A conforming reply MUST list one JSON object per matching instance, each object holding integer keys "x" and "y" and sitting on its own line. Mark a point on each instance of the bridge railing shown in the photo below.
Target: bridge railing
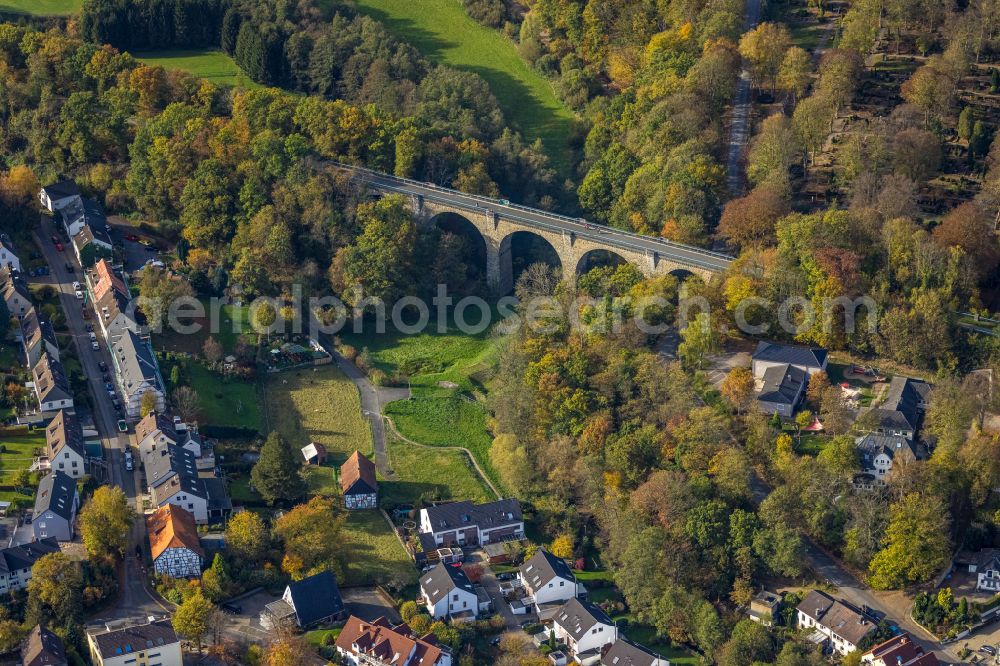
{"x": 602, "y": 231}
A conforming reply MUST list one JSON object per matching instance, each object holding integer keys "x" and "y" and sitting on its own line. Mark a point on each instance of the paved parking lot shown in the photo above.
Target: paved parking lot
{"x": 368, "y": 604}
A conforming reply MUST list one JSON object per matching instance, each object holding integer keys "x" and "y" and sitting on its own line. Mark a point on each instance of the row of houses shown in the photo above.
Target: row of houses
{"x": 152, "y": 641}
{"x": 81, "y": 218}
{"x": 50, "y": 384}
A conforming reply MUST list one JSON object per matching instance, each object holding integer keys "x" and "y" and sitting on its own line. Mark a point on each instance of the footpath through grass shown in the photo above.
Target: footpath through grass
{"x": 41, "y": 7}
{"x": 444, "y": 33}
{"x": 445, "y": 372}
{"x": 216, "y": 66}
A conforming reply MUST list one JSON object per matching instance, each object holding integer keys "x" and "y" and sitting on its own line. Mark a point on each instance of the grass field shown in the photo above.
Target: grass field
{"x": 225, "y": 403}
{"x": 374, "y": 554}
{"x": 215, "y": 66}
{"x": 19, "y": 446}
{"x": 225, "y": 331}
{"x": 319, "y": 405}
{"x": 41, "y": 7}
{"x": 437, "y": 415}
{"x": 444, "y": 33}
{"x": 430, "y": 474}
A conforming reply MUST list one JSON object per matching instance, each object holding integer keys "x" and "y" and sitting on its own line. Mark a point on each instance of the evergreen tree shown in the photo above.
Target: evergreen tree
{"x": 965, "y": 123}
{"x": 994, "y": 79}
{"x": 979, "y": 141}
{"x": 276, "y": 475}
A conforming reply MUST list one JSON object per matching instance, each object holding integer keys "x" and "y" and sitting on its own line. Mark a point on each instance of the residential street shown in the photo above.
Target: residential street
{"x": 135, "y": 600}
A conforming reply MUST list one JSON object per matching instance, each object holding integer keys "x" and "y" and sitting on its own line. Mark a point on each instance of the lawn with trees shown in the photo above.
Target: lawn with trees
{"x": 214, "y": 66}
{"x": 18, "y": 448}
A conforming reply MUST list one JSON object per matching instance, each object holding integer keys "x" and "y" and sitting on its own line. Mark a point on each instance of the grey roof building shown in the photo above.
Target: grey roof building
{"x": 16, "y": 563}
{"x": 780, "y": 389}
{"x": 902, "y": 410}
{"x": 133, "y": 643}
{"x": 136, "y": 371}
{"x": 306, "y": 602}
{"x": 38, "y": 336}
{"x": 42, "y": 648}
{"x": 626, "y": 653}
{"x": 809, "y": 359}
{"x": 56, "y": 505}
{"x": 64, "y": 440}
{"x": 465, "y": 523}
{"x": 51, "y": 385}
{"x": 14, "y": 292}
{"x": 438, "y": 583}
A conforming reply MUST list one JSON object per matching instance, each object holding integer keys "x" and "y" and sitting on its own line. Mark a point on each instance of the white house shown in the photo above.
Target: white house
{"x": 468, "y": 524}
{"x": 64, "y": 441}
{"x": 15, "y": 293}
{"x": 547, "y": 579}
{"x": 626, "y": 653}
{"x": 51, "y": 386}
{"x": 899, "y": 651}
{"x": 986, "y": 565}
{"x": 16, "y": 563}
{"x": 172, "y": 477}
{"x": 56, "y": 505}
{"x": 137, "y": 373}
{"x": 59, "y": 195}
{"x": 8, "y": 258}
{"x": 147, "y": 643}
{"x": 173, "y": 542}
{"x": 585, "y": 629}
{"x": 843, "y": 626}
{"x": 156, "y": 431}
{"x": 38, "y": 337}
{"x": 447, "y": 593}
{"x": 878, "y": 455}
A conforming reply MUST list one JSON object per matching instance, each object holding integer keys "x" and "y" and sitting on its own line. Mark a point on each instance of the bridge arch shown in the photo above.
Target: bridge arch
{"x": 522, "y": 248}
{"x": 596, "y": 258}
{"x": 467, "y": 241}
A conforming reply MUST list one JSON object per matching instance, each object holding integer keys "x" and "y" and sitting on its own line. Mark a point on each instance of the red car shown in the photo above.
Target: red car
{"x": 59, "y": 246}
{"x": 132, "y": 237}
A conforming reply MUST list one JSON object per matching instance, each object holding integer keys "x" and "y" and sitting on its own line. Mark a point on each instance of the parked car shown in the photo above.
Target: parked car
{"x": 59, "y": 246}
{"x": 109, "y": 386}
{"x": 122, "y": 425}
{"x": 93, "y": 336}
{"x": 79, "y": 294}
{"x": 988, "y": 649}
{"x": 55, "y": 239}
{"x": 69, "y": 268}
{"x": 76, "y": 286}
{"x": 85, "y": 311}
{"x": 95, "y": 345}
{"x": 90, "y": 328}
{"x": 103, "y": 366}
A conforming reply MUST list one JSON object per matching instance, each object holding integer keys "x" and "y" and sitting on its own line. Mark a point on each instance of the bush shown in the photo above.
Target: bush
{"x": 490, "y": 13}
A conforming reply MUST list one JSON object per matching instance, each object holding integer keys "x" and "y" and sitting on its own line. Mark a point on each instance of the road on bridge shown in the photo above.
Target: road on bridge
{"x": 534, "y": 218}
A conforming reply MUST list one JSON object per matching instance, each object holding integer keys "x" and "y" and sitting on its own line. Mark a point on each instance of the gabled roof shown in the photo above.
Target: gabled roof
{"x": 177, "y": 465}
{"x": 42, "y": 648}
{"x": 793, "y": 354}
{"x": 62, "y": 189}
{"x": 782, "y": 384}
{"x": 391, "y": 644}
{"x": 56, "y": 493}
{"x": 136, "y": 638}
{"x": 64, "y": 431}
{"x": 578, "y": 617}
{"x": 107, "y": 280}
{"x": 172, "y": 527}
{"x": 899, "y": 651}
{"x": 136, "y": 362}
{"x": 357, "y": 475}
{"x": 626, "y": 653}
{"x": 50, "y": 379}
{"x": 901, "y": 408}
{"x": 315, "y": 598}
{"x": 544, "y": 567}
{"x": 896, "y": 448}
{"x": 840, "y": 619}
{"x": 457, "y": 515}
{"x": 11, "y": 284}
{"x": 156, "y": 422}
{"x": 438, "y": 583}
{"x": 35, "y": 327}
{"x": 21, "y": 557}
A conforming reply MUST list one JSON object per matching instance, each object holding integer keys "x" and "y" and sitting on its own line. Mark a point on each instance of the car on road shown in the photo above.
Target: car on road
{"x": 79, "y": 294}
{"x": 122, "y": 425}
{"x": 103, "y": 366}
{"x": 504, "y": 202}
{"x": 69, "y": 268}
{"x": 89, "y": 327}
{"x": 109, "y": 386}
{"x": 988, "y": 649}
{"x": 128, "y": 460}
{"x": 76, "y": 286}
{"x": 93, "y": 336}
{"x": 55, "y": 239}
{"x": 59, "y": 246}
{"x": 111, "y": 394}
{"x": 505, "y": 576}
{"x": 95, "y": 345}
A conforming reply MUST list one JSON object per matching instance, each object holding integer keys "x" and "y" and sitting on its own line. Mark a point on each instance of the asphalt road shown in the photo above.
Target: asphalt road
{"x": 135, "y": 599}
{"x": 530, "y": 217}
{"x": 739, "y": 129}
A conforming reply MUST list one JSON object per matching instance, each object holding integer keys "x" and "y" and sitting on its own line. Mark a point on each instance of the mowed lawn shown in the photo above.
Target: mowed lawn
{"x": 444, "y": 33}
{"x": 437, "y": 415}
{"x": 225, "y": 402}
{"x": 431, "y": 474}
{"x": 19, "y": 446}
{"x": 318, "y": 405}
{"x": 41, "y": 7}
{"x": 374, "y": 554}
{"x": 216, "y": 66}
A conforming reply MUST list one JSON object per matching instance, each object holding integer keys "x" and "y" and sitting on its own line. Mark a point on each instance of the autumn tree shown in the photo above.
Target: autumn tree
{"x": 147, "y": 403}
{"x": 187, "y": 403}
{"x": 193, "y": 617}
{"x": 19, "y": 186}
{"x": 795, "y": 72}
{"x": 764, "y": 48}
{"x": 738, "y": 389}
{"x": 159, "y": 289}
{"x": 311, "y": 534}
{"x": 811, "y": 121}
{"x": 288, "y": 651}
{"x": 55, "y": 591}
{"x": 772, "y": 152}
{"x": 246, "y": 536}
{"x": 105, "y": 522}
{"x": 276, "y": 476}
{"x": 562, "y": 546}
{"x": 970, "y": 228}
{"x": 749, "y": 221}
{"x": 699, "y": 340}
{"x": 212, "y": 350}
{"x": 916, "y": 544}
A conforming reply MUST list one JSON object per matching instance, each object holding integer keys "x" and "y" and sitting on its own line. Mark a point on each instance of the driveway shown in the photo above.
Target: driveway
{"x": 492, "y": 586}
{"x": 368, "y": 604}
